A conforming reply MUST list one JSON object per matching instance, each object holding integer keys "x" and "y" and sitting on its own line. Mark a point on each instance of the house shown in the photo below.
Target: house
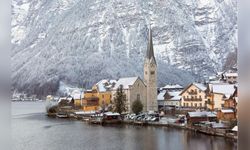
{"x": 197, "y": 117}
{"x": 103, "y": 91}
{"x": 172, "y": 99}
{"x": 226, "y": 114}
{"x": 194, "y": 96}
{"x": 134, "y": 88}
{"x": 231, "y": 77}
{"x": 90, "y": 101}
{"x": 161, "y": 99}
{"x": 217, "y": 93}
{"x": 77, "y": 100}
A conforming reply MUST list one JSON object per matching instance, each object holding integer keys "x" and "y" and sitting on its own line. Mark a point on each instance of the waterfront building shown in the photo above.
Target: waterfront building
{"x": 226, "y": 114}
{"x": 194, "y": 96}
{"x": 90, "y": 101}
{"x": 103, "y": 91}
{"x": 197, "y": 117}
{"x": 134, "y": 88}
{"x": 161, "y": 100}
{"x": 150, "y": 76}
{"x": 172, "y": 99}
{"x": 77, "y": 100}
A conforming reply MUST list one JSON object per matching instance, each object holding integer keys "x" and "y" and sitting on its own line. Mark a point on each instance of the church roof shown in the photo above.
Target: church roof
{"x": 150, "y": 49}
{"x": 125, "y": 82}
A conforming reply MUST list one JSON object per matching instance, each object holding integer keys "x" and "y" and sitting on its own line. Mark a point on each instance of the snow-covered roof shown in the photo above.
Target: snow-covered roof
{"x": 231, "y": 74}
{"x": 218, "y": 125}
{"x": 227, "y": 110}
{"x": 101, "y": 85}
{"x": 77, "y": 96}
{"x": 200, "y": 86}
{"x": 176, "y": 95}
{"x": 235, "y": 128}
{"x": 125, "y": 82}
{"x": 202, "y": 114}
{"x": 69, "y": 99}
{"x": 160, "y": 96}
{"x": 84, "y": 112}
{"x": 226, "y": 89}
{"x": 173, "y": 86}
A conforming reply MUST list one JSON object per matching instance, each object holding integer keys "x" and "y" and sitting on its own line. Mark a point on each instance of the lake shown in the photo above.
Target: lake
{"x": 33, "y": 130}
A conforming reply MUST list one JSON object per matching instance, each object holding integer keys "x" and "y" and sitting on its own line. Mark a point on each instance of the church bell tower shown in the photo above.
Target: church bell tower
{"x": 150, "y": 75}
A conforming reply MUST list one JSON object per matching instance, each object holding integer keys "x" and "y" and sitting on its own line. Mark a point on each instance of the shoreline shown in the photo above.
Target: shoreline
{"x": 207, "y": 131}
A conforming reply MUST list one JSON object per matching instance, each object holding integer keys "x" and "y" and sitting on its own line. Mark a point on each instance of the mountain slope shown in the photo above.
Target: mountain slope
{"x": 81, "y": 41}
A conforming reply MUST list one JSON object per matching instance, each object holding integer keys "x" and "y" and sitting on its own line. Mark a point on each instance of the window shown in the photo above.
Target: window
{"x": 199, "y": 91}
{"x": 195, "y": 105}
{"x": 138, "y": 96}
{"x": 191, "y": 104}
{"x": 152, "y": 72}
{"x": 187, "y": 104}
{"x": 146, "y": 72}
{"x": 200, "y": 104}
{"x": 200, "y": 96}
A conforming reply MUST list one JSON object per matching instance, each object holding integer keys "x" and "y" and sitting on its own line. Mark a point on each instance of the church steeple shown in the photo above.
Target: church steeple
{"x": 150, "y": 75}
{"x": 150, "y": 49}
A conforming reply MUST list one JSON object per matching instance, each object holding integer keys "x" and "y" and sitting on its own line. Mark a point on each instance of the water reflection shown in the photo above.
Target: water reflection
{"x": 36, "y": 131}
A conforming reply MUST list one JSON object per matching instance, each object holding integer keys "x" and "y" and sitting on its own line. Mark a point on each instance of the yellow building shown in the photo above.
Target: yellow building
{"x": 90, "y": 101}
{"x": 194, "y": 96}
{"x": 103, "y": 91}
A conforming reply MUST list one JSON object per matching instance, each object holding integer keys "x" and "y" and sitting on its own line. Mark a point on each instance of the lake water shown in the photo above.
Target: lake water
{"x": 33, "y": 130}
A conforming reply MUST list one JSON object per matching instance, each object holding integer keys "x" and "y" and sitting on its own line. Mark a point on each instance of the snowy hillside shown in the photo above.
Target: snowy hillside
{"x": 81, "y": 41}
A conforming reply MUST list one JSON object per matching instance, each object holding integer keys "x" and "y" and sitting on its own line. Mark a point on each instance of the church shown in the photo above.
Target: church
{"x": 143, "y": 89}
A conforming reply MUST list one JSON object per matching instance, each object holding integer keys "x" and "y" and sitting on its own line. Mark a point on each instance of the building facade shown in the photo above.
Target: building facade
{"x": 194, "y": 96}
{"x": 134, "y": 88}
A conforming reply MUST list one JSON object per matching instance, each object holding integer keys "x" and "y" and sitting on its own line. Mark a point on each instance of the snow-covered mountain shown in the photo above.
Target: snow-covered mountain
{"x": 81, "y": 41}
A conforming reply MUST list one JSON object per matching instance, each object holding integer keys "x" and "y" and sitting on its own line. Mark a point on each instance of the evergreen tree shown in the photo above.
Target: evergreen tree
{"x": 137, "y": 106}
{"x": 120, "y": 100}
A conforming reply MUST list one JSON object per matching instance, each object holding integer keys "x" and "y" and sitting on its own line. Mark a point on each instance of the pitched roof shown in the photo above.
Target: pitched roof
{"x": 227, "y": 111}
{"x": 198, "y": 85}
{"x": 202, "y": 114}
{"x": 175, "y": 95}
{"x": 226, "y": 89}
{"x": 173, "y": 86}
{"x": 235, "y": 128}
{"x": 101, "y": 85}
{"x": 231, "y": 74}
{"x": 125, "y": 82}
{"x": 150, "y": 49}
{"x": 160, "y": 96}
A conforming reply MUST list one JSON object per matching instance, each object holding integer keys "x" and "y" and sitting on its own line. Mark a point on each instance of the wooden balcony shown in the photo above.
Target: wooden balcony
{"x": 192, "y": 92}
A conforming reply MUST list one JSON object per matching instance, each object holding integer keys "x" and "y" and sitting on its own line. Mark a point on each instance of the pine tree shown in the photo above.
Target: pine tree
{"x": 137, "y": 106}
{"x": 120, "y": 100}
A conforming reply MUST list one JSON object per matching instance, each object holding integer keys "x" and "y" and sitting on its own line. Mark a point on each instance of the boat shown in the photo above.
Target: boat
{"x": 62, "y": 115}
{"x": 111, "y": 118}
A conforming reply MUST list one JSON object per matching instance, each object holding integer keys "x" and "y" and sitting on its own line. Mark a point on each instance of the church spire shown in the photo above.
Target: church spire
{"x": 150, "y": 49}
